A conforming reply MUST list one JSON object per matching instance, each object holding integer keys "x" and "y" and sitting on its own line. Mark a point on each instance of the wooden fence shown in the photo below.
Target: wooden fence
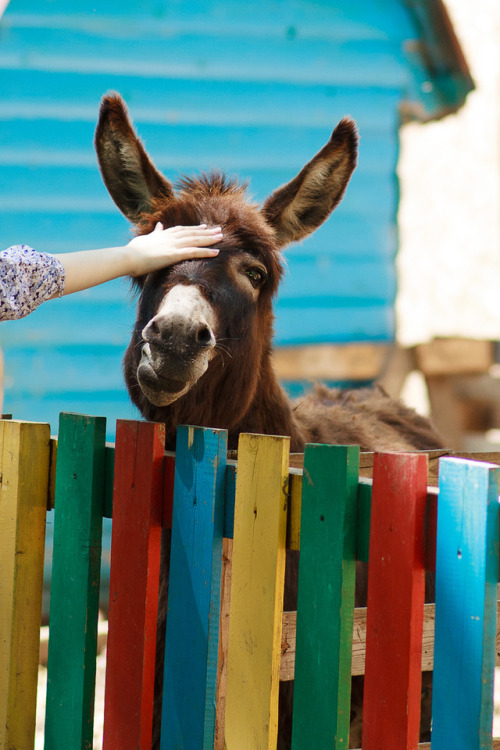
{"x": 228, "y": 643}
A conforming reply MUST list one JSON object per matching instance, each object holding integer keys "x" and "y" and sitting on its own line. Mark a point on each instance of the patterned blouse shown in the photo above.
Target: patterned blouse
{"x": 27, "y": 279}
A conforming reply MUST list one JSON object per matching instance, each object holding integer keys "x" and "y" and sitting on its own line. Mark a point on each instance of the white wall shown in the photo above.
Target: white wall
{"x": 449, "y": 261}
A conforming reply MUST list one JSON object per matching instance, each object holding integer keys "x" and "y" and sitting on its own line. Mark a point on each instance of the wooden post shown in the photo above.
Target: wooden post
{"x": 325, "y": 609}
{"x": 466, "y": 586}
{"x": 24, "y": 479}
{"x": 74, "y": 599}
{"x": 395, "y": 607}
{"x": 192, "y": 634}
{"x": 134, "y": 581}
{"x": 257, "y": 593}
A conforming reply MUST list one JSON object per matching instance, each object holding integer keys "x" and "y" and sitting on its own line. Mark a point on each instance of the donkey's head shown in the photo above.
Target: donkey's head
{"x": 207, "y": 323}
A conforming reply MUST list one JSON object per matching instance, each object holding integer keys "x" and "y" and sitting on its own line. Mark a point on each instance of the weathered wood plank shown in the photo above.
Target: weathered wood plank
{"x": 466, "y": 578}
{"x": 192, "y": 634}
{"x": 454, "y": 356}
{"x": 395, "y": 605}
{"x": 24, "y": 478}
{"x": 325, "y": 597}
{"x": 74, "y": 600}
{"x": 227, "y": 558}
{"x": 287, "y": 668}
{"x": 134, "y": 582}
{"x": 330, "y": 362}
{"x": 257, "y": 593}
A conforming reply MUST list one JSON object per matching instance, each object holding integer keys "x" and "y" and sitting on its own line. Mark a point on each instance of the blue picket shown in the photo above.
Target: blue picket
{"x": 191, "y": 645}
{"x": 466, "y": 578}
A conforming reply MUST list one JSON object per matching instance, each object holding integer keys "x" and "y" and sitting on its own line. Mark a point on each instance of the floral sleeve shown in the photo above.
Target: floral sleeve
{"x": 27, "y": 279}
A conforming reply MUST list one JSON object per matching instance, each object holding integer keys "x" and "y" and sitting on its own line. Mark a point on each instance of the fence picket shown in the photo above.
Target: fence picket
{"x": 24, "y": 480}
{"x": 74, "y": 602}
{"x": 321, "y": 708}
{"x": 257, "y": 593}
{"x": 395, "y": 607}
{"x": 466, "y": 578}
{"x": 192, "y": 635}
{"x": 134, "y": 580}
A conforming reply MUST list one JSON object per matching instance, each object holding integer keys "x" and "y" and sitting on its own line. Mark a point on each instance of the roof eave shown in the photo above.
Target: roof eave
{"x": 450, "y": 79}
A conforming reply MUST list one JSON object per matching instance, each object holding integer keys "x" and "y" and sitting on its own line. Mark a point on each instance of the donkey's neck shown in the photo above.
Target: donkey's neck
{"x": 215, "y": 403}
{"x": 270, "y": 412}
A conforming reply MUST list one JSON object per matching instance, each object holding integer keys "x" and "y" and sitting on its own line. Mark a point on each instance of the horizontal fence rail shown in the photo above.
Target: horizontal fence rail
{"x": 228, "y": 643}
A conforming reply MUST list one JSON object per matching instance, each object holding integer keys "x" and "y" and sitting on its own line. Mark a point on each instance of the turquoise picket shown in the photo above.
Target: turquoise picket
{"x": 191, "y": 643}
{"x": 466, "y": 586}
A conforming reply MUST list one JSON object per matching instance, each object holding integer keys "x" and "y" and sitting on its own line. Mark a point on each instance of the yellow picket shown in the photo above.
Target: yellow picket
{"x": 24, "y": 477}
{"x": 254, "y": 648}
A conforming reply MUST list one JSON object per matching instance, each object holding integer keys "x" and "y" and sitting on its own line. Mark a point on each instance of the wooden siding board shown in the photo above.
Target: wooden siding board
{"x": 284, "y": 146}
{"x": 114, "y": 404}
{"x": 56, "y": 323}
{"x": 327, "y": 279}
{"x": 72, "y": 371}
{"x": 180, "y": 100}
{"x": 341, "y": 21}
{"x": 201, "y": 55}
{"x": 370, "y": 323}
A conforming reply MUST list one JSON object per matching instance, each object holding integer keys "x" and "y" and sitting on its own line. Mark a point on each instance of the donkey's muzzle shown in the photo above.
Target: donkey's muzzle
{"x": 179, "y": 342}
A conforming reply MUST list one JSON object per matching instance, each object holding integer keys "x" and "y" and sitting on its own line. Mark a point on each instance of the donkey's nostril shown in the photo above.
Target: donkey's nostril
{"x": 152, "y": 331}
{"x": 203, "y": 336}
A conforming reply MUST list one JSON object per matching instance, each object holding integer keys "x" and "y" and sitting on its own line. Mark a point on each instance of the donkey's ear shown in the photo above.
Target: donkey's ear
{"x": 298, "y": 208}
{"x": 132, "y": 180}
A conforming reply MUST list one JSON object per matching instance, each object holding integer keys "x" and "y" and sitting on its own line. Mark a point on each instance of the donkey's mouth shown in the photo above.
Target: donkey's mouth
{"x": 161, "y": 384}
{"x": 159, "y": 390}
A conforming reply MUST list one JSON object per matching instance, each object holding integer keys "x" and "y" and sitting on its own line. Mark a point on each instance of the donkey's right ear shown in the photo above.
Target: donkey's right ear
{"x": 128, "y": 173}
{"x": 298, "y": 208}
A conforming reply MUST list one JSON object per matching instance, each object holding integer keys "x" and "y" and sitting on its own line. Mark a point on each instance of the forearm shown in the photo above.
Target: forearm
{"x": 87, "y": 268}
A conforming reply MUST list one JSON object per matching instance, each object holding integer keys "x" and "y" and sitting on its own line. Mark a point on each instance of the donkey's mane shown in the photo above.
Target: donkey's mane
{"x": 210, "y": 184}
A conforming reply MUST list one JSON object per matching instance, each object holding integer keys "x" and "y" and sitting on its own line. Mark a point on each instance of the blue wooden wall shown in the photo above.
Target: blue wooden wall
{"x": 252, "y": 88}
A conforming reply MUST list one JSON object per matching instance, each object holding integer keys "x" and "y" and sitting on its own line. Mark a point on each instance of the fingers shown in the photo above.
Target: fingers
{"x": 201, "y": 229}
{"x": 189, "y": 237}
{"x": 200, "y": 241}
{"x": 199, "y": 252}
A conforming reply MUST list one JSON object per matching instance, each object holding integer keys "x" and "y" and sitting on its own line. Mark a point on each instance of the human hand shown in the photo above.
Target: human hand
{"x": 164, "y": 247}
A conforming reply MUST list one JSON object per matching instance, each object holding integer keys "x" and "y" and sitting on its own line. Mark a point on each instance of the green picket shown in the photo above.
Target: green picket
{"x": 74, "y": 601}
{"x": 325, "y": 608}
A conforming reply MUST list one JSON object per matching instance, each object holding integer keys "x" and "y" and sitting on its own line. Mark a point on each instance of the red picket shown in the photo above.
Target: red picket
{"x": 134, "y": 579}
{"x": 396, "y": 588}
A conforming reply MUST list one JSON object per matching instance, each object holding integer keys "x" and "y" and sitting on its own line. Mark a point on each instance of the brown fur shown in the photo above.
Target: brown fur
{"x": 239, "y": 390}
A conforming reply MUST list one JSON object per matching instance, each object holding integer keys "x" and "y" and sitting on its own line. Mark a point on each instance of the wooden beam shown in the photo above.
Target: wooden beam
{"x": 454, "y": 356}
{"x": 359, "y": 641}
{"x": 331, "y": 362}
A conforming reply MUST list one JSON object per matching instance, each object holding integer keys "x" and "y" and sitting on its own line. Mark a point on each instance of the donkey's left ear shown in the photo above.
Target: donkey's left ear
{"x": 129, "y": 174}
{"x": 298, "y": 208}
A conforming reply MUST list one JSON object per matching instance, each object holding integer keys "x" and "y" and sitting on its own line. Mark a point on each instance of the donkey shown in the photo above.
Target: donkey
{"x": 201, "y": 348}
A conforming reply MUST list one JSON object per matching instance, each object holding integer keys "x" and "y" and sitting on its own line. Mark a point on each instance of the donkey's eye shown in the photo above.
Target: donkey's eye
{"x": 256, "y": 275}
